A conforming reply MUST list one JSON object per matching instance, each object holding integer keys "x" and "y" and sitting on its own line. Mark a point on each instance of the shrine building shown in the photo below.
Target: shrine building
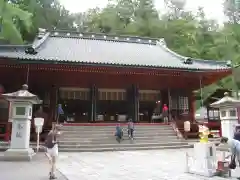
{"x": 105, "y": 78}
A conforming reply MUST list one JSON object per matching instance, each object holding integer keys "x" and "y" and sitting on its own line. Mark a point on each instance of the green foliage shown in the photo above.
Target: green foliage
{"x": 10, "y": 14}
{"x": 188, "y": 34}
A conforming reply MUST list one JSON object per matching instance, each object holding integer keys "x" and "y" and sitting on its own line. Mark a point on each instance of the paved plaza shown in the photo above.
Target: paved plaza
{"x": 125, "y": 165}
{"x": 138, "y": 165}
{"x": 37, "y": 169}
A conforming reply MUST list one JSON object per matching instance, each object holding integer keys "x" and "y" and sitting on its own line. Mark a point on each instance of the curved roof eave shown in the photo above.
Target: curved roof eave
{"x": 99, "y": 49}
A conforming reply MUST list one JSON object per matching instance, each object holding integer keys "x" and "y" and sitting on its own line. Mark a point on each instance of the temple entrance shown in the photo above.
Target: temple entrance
{"x": 147, "y": 104}
{"x": 146, "y": 110}
{"x": 76, "y": 104}
{"x": 112, "y": 105}
{"x": 112, "y": 111}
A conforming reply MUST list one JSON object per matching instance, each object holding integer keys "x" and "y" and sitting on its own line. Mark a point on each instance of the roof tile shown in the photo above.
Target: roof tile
{"x": 102, "y": 49}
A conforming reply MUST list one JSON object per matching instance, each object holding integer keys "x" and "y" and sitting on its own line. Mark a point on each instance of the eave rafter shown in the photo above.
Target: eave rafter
{"x": 117, "y": 70}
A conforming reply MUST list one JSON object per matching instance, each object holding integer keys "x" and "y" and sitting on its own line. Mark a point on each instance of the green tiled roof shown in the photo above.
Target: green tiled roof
{"x": 100, "y": 49}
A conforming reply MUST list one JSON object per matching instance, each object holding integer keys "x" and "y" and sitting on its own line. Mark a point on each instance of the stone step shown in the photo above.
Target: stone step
{"x": 122, "y": 144}
{"x": 111, "y": 127}
{"x": 79, "y": 139}
{"x": 114, "y": 125}
{"x": 100, "y": 135}
{"x": 113, "y": 141}
{"x": 101, "y": 138}
{"x": 97, "y": 149}
{"x": 113, "y": 130}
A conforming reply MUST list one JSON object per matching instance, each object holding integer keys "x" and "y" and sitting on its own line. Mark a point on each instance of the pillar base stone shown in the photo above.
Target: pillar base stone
{"x": 18, "y": 154}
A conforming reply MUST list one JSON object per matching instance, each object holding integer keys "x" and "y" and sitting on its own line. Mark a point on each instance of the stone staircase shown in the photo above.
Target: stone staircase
{"x": 101, "y": 138}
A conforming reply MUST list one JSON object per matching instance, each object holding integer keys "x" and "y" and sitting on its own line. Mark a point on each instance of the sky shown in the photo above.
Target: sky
{"x": 212, "y": 8}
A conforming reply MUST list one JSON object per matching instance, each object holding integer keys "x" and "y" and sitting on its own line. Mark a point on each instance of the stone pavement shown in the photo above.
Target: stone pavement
{"x": 35, "y": 170}
{"x": 126, "y": 165}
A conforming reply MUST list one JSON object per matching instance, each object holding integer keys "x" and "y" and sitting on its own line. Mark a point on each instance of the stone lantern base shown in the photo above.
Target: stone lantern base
{"x": 18, "y": 154}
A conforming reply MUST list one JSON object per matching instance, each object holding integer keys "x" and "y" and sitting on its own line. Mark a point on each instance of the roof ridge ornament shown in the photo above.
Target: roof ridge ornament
{"x": 188, "y": 60}
{"x": 41, "y": 33}
{"x": 24, "y": 87}
{"x": 226, "y": 94}
{"x": 30, "y": 50}
{"x": 162, "y": 42}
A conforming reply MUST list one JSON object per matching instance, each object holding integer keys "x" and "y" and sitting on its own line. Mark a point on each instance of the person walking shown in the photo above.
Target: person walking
{"x": 52, "y": 150}
{"x": 234, "y": 146}
{"x": 237, "y": 135}
{"x": 119, "y": 133}
{"x": 130, "y": 128}
{"x": 165, "y": 113}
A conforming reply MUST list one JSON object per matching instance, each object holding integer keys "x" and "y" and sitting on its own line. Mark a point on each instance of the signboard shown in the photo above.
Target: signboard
{"x": 19, "y": 129}
{"x": 38, "y": 121}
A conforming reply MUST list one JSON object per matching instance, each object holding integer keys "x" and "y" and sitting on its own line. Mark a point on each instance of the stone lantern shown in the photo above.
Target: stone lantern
{"x": 228, "y": 114}
{"x": 21, "y": 115}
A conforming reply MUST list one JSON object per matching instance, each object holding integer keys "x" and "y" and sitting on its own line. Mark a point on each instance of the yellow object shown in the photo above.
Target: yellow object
{"x": 203, "y": 133}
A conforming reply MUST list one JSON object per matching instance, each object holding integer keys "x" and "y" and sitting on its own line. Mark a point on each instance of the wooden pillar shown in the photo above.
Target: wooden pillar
{"x": 133, "y": 102}
{"x": 169, "y": 105}
{"x": 191, "y": 106}
{"x": 94, "y": 99}
{"x": 9, "y": 124}
{"x": 53, "y": 105}
{"x": 136, "y": 103}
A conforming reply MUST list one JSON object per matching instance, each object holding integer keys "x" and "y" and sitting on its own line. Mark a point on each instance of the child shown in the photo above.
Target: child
{"x": 118, "y": 133}
{"x": 130, "y": 128}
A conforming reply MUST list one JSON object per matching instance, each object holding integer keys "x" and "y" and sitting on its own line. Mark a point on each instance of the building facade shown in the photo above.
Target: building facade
{"x": 106, "y": 78}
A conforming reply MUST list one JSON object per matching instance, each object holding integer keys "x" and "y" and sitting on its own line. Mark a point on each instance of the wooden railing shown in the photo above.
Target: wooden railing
{"x": 193, "y": 133}
{"x": 214, "y": 127}
{"x": 176, "y": 130}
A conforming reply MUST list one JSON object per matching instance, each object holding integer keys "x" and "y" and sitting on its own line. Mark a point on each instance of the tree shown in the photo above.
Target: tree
{"x": 232, "y": 10}
{"x": 47, "y": 14}
{"x": 187, "y": 33}
{"x": 10, "y": 17}
{"x": 144, "y": 20}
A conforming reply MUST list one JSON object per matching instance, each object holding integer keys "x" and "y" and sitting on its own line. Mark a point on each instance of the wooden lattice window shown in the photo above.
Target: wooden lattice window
{"x": 80, "y": 94}
{"x": 173, "y": 102}
{"x": 112, "y": 95}
{"x": 121, "y": 96}
{"x": 148, "y": 96}
{"x": 183, "y": 103}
